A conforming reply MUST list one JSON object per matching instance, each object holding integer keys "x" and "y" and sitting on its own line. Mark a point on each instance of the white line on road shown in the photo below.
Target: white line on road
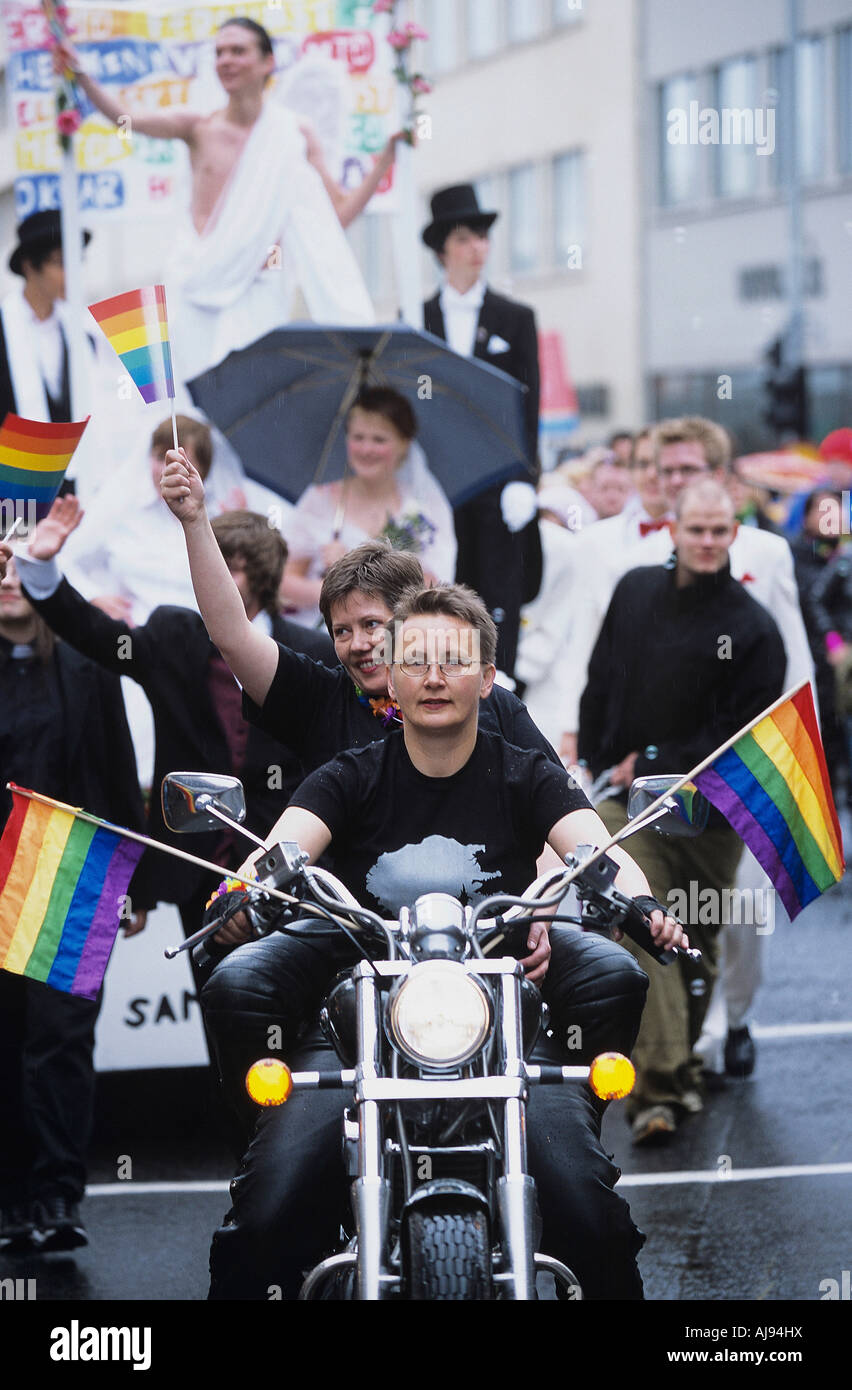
{"x": 802, "y": 1030}
{"x": 804, "y": 1170}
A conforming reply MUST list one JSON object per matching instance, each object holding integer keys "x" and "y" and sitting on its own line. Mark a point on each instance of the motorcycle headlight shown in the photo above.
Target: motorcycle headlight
{"x": 439, "y": 1015}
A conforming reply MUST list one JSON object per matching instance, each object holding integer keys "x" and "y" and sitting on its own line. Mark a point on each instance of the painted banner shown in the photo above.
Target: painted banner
{"x": 332, "y": 66}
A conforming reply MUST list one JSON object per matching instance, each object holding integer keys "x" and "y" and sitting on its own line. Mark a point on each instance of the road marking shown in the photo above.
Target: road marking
{"x": 804, "y": 1170}
{"x": 803, "y": 1030}
{"x": 118, "y": 1189}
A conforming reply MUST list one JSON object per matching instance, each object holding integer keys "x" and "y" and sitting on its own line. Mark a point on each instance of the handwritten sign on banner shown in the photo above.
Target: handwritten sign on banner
{"x": 332, "y": 66}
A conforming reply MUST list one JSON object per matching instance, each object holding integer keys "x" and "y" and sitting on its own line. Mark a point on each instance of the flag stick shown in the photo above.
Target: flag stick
{"x": 15, "y": 527}
{"x": 641, "y": 822}
{"x": 174, "y": 425}
{"x": 146, "y": 840}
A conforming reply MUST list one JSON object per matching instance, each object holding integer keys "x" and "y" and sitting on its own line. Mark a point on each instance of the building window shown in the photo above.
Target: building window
{"x": 483, "y": 28}
{"x": 739, "y": 128}
{"x": 844, "y": 89}
{"x": 441, "y": 24}
{"x": 524, "y": 19}
{"x": 523, "y": 218}
{"x": 807, "y": 110}
{"x": 810, "y": 121}
{"x": 567, "y": 11}
{"x": 568, "y": 209}
{"x": 678, "y": 156}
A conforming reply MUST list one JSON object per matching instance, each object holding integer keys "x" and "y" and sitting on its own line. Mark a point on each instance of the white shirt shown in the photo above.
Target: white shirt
{"x": 461, "y": 316}
{"x": 50, "y": 349}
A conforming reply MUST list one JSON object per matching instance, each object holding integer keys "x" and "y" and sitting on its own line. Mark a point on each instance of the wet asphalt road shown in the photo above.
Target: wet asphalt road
{"x": 768, "y": 1238}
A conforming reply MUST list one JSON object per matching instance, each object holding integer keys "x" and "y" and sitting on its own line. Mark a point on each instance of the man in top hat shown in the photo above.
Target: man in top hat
{"x": 34, "y": 373}
{"x": 499, "y": 550}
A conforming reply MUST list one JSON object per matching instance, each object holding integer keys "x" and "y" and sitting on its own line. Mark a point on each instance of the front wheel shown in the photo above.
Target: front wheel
{"x": 449, "y": 1255}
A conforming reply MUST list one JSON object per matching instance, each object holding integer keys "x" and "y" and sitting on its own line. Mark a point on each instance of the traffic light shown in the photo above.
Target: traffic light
{"x": 786, "y": 391}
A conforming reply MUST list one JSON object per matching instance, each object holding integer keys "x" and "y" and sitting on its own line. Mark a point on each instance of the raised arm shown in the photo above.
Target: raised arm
{"x": 251, "y": 655}
{"x": 348, "y": 203}
{"x": 163, "y": 125}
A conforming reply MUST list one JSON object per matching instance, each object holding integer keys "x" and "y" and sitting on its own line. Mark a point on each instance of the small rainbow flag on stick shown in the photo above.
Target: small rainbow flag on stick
{"x": 771, "y": 783}
{"x": 34, "y": 457}
{"x": 136, "y": 327}
{"x": 62, "y": 879}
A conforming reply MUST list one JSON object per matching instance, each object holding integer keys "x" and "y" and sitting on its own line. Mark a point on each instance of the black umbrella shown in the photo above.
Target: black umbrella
{"x": 282, "y": 403}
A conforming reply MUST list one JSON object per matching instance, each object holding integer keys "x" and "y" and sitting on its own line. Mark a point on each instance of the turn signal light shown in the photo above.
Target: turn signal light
{"x": 612, "y": 1076}
{"x": 269, "y": 1082}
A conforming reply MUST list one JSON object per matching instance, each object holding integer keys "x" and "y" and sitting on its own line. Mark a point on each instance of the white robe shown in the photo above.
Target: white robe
{"x": 230, "y": 285}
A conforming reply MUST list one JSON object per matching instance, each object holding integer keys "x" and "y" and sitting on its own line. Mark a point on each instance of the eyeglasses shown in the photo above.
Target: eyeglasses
{"x": 686, "y": 470}
{"x": 450, "y": 668}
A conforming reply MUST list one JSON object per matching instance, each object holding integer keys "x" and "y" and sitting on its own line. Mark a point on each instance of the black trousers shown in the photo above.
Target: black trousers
{"x": 289, "y": 1194}
{"x": 47, "y": 1087}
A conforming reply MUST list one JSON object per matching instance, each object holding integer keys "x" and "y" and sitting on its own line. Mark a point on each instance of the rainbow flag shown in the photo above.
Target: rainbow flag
{"x": 772, "y": 785}
{"x": 61, "y": 881}
{"x": 34, "y": 457}
{"x": 137, "y": 328}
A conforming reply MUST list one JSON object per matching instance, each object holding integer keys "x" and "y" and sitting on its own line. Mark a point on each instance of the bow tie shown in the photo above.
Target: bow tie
{"x": 472, "y": 300}
{"x": 647, "y": 527}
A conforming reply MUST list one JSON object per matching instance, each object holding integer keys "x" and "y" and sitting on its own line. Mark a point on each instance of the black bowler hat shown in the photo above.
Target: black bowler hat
{"x": 41, "y": 231}
{"x": 455, "y": 207}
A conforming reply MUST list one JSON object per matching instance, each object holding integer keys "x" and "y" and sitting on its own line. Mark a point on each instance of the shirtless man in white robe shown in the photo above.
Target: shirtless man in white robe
{"x": 258, "y": 181}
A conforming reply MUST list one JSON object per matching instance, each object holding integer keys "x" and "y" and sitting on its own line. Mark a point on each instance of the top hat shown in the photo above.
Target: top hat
{"x": 455, "y": 207}
{"x": 41, "y": 231}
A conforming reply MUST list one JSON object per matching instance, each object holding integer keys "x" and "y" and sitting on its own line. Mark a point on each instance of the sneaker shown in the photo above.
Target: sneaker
{"x": 58, "y": 1224}
{"x": 16, "y": 1230}
{"x": 655, "y": 1125}
{"x": 740, "y": 1052}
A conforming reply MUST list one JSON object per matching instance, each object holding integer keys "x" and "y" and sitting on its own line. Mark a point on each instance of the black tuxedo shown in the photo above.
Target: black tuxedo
{"x": 170, "y": 656}
{"x": 84, "y": 756}
{"x": 503, "y": 567}
{"x": 504, "y": 318}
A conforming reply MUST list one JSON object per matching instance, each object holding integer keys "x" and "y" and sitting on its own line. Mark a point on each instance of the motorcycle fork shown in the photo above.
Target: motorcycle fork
{"x": 516, "y": 1189}
{"x": 370, "y": 1190}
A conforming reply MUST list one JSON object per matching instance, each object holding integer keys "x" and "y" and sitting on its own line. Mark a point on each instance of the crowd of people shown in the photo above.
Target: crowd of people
{"x": 638, "y": 606}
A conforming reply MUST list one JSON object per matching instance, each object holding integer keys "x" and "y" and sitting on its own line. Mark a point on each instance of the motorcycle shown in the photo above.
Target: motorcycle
{"x": 434, "y": 1028}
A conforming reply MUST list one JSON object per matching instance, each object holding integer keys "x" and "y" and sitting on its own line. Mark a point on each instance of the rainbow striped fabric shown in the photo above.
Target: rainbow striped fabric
{"x": 772, "y": 785}
{"x": 61, "y": 884}
{"x": 34, "y": 457}
{"x": 137, "y": 328}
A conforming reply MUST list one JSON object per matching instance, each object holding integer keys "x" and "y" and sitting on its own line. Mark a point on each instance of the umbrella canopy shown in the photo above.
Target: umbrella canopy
{"x": 282, "y": 403}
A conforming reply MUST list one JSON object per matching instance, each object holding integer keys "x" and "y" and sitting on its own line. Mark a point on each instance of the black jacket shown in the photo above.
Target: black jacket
{"x": 677, "y": 669}
{"x": 169, "y": 657}
{"x": 504, "y": 568}
{"x": 98, "y": 768}
{"x": 515, "y": 323}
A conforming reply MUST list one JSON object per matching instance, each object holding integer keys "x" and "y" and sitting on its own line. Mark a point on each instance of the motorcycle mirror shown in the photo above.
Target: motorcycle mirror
{"x": 185, "y": 797}
{"x": 685, "y": 812}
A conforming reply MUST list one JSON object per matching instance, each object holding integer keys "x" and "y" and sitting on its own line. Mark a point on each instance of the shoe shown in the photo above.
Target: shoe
{"x": 692, "y": 1102}
{"x": 16, "y": 1230}
{"x": 740, "y": 1052}
{"x": 58, "y": 1224}
{"x": 655, "y": 1125}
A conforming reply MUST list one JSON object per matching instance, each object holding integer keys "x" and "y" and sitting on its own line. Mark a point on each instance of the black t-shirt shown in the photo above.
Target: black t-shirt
{"x": 315, "y": 712}
{"x": 397, "y": 833}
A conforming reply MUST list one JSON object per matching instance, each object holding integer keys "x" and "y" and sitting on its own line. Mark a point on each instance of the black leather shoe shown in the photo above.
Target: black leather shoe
{"x": 58, "y": 1224}
{"x": 740, "y": 1052}
{"x": 16, "y": 1230}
